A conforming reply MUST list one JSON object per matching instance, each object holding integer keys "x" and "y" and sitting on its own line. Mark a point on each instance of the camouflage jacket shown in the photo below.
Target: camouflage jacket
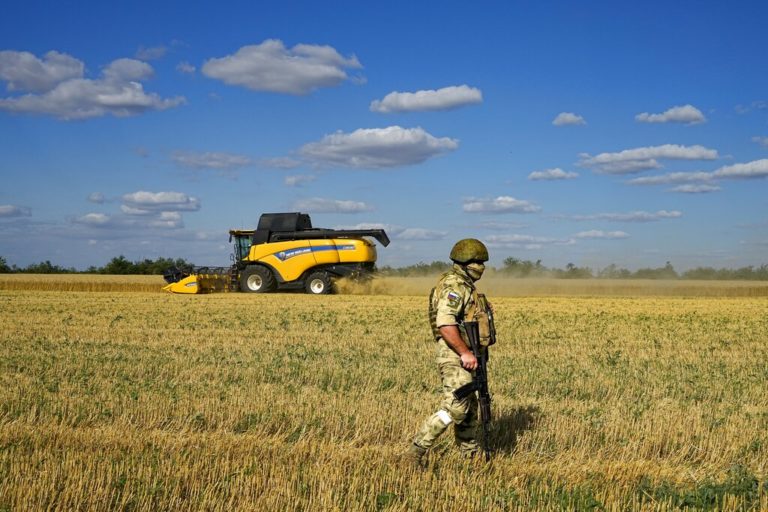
{"x": 453, "y": 299}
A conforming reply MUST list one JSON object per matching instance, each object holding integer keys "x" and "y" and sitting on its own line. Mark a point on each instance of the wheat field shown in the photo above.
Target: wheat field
{"x": 118, "y": 400}
{"x": 497, "y": 286}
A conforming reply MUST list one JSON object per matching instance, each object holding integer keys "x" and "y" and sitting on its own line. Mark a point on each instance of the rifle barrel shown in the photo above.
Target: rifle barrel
{"x": 480, "y": 382}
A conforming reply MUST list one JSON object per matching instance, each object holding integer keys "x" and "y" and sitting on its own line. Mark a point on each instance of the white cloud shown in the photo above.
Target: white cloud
{"x": 67, "y": 96}
{"x": 552, "y": 174}
{"x": 389, "y": 228}
{"x": 167, "y": 220}
{"x": 598, "y": 234}
{"x": 500, "y": 226}
{"x": 160, "y": 201}
{"x": 446, "y": 98}
{"x": 674, "y": 177}
{"x": 701, "y": 188}
{"x": 763, "y": 141}
{"x": 136, "y": 212}
{"x": 515, "y": 241}
{"x": 280, "y": 163}
{"x": 96, "y": 197}
{"x": 501, "y": 204}
{"x": 644, "y": 158}
{"x": 271, "y": 67}
{"x": 13, "y": 211}
{"x": 627, "y": 167}
{"x": 25, "y": 72}
{"x": 185, "y": 67}
{"x": 210, "y": 160}
{"x": 682, "y": 114}
{"x": 298, "y": 180}
{"x": 152, "y": 53}
{"x": 636, "y": 216}
{"x": 754, "y": 169}
{"x": 377, "y": 148}
{"x": 321, "y": 205}
{"x": 94, "y": 219}
{"x": 132, "y": 220}
{"x": 755, "y": 105}
{"x": 127, "y": 70}
{"x": 421, "y": 234}
{"x": 568, "y": 118}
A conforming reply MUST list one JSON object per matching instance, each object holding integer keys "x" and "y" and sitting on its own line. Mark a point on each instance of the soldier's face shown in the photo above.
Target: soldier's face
{"x": 475, "y": 270}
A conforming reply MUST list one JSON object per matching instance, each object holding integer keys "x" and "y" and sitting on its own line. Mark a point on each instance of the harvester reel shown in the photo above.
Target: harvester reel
{"x": 319, "y": 283}
{"x": 257, "y": 279}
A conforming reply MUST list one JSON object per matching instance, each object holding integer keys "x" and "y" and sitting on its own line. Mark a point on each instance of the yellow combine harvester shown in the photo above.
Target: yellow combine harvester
{"x": 285, "y": 252}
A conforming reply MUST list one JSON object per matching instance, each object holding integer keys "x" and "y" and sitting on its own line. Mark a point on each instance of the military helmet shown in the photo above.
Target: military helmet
{"x": 469, "y": 249}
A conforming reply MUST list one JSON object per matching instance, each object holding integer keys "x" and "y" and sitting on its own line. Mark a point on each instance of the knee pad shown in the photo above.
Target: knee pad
{"x": 445, "y": 417}
{"x": 457, "y": 411}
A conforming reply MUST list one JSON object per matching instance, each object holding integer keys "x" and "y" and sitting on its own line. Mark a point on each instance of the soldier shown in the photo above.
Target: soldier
{"x": 452, "y": 301}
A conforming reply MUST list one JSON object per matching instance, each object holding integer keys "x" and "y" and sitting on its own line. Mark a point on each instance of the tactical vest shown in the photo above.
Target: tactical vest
{"x": 477, "y": 309}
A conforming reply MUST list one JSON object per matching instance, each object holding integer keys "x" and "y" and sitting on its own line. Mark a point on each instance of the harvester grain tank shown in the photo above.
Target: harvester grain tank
{"x": 286, "y": 252}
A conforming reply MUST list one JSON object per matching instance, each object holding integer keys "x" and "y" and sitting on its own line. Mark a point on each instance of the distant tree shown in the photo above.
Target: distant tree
{"x": 4, "y": 268}
{"x": 700, "y": 273}
{"x": 749, "y": 273}
{"x": 118, "y": 266}
{"x": 46, "y": 267}
{"x": 573, "y": 272}
{"x": 438, "y": 267}
{"x": 744, "y": 273}
{"x": 523, "y": 268}
{"x": 419, "y": 269}
{"x": 665, "y": 272}
{"x": 669, "y": 272}
{"x": 612, "y": 271}
{"x": 121, "y": 266}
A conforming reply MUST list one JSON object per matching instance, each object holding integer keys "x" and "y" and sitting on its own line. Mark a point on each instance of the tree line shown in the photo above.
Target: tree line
{"x": 514, "y": 267}
{"x": 118, "y": 266}
{"x": 511, "y": 266}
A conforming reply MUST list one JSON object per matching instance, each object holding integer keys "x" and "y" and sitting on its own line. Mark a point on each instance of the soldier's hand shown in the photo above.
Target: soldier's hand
{"x": 469, "y": 361}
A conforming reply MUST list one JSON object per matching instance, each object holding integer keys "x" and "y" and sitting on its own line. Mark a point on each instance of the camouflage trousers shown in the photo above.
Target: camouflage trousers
{"x": 462, "y": 413}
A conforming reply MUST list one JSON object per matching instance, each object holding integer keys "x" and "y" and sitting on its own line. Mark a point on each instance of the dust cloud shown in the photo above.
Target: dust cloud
{"x": 386, "y": 286}
{"x": 496, "y": 286}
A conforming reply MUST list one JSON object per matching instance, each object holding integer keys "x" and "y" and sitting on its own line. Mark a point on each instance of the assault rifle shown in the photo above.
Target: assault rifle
{"x": 479, "y": 383}
{"x": 491, "y": 325}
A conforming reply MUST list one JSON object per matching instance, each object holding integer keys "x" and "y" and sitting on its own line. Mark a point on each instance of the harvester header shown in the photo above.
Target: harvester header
{"x": 286, "y": 252}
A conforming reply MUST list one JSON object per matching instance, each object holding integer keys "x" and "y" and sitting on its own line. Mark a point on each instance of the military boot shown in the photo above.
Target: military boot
{"x": 468, "y": 448}
{"x": 415, "y": 456}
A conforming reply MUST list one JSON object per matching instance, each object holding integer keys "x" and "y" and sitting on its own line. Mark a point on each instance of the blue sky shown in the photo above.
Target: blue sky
{"x": 589, "y": 133}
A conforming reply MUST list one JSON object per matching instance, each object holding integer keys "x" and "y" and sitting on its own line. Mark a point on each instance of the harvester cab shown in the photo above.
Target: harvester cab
{"x": 286, "y": 252}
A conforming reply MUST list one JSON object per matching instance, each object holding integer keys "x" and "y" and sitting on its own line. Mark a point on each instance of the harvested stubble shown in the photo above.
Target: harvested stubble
{"x": 147, "y": 401}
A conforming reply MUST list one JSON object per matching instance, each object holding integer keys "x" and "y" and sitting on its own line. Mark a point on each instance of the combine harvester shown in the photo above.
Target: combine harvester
{"x": 285, "y": 252}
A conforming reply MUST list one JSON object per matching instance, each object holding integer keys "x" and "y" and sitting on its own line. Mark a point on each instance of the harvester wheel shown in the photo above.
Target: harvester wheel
{"x": 318, "y": 283}
{"x": 257, "y": 279}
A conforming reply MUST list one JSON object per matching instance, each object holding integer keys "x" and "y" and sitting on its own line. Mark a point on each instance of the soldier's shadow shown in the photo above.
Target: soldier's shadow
{"x": 511, "y": 424}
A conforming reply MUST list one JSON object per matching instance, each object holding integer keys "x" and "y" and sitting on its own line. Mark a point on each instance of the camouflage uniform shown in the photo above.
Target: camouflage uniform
{"x": 451, "y": 301}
